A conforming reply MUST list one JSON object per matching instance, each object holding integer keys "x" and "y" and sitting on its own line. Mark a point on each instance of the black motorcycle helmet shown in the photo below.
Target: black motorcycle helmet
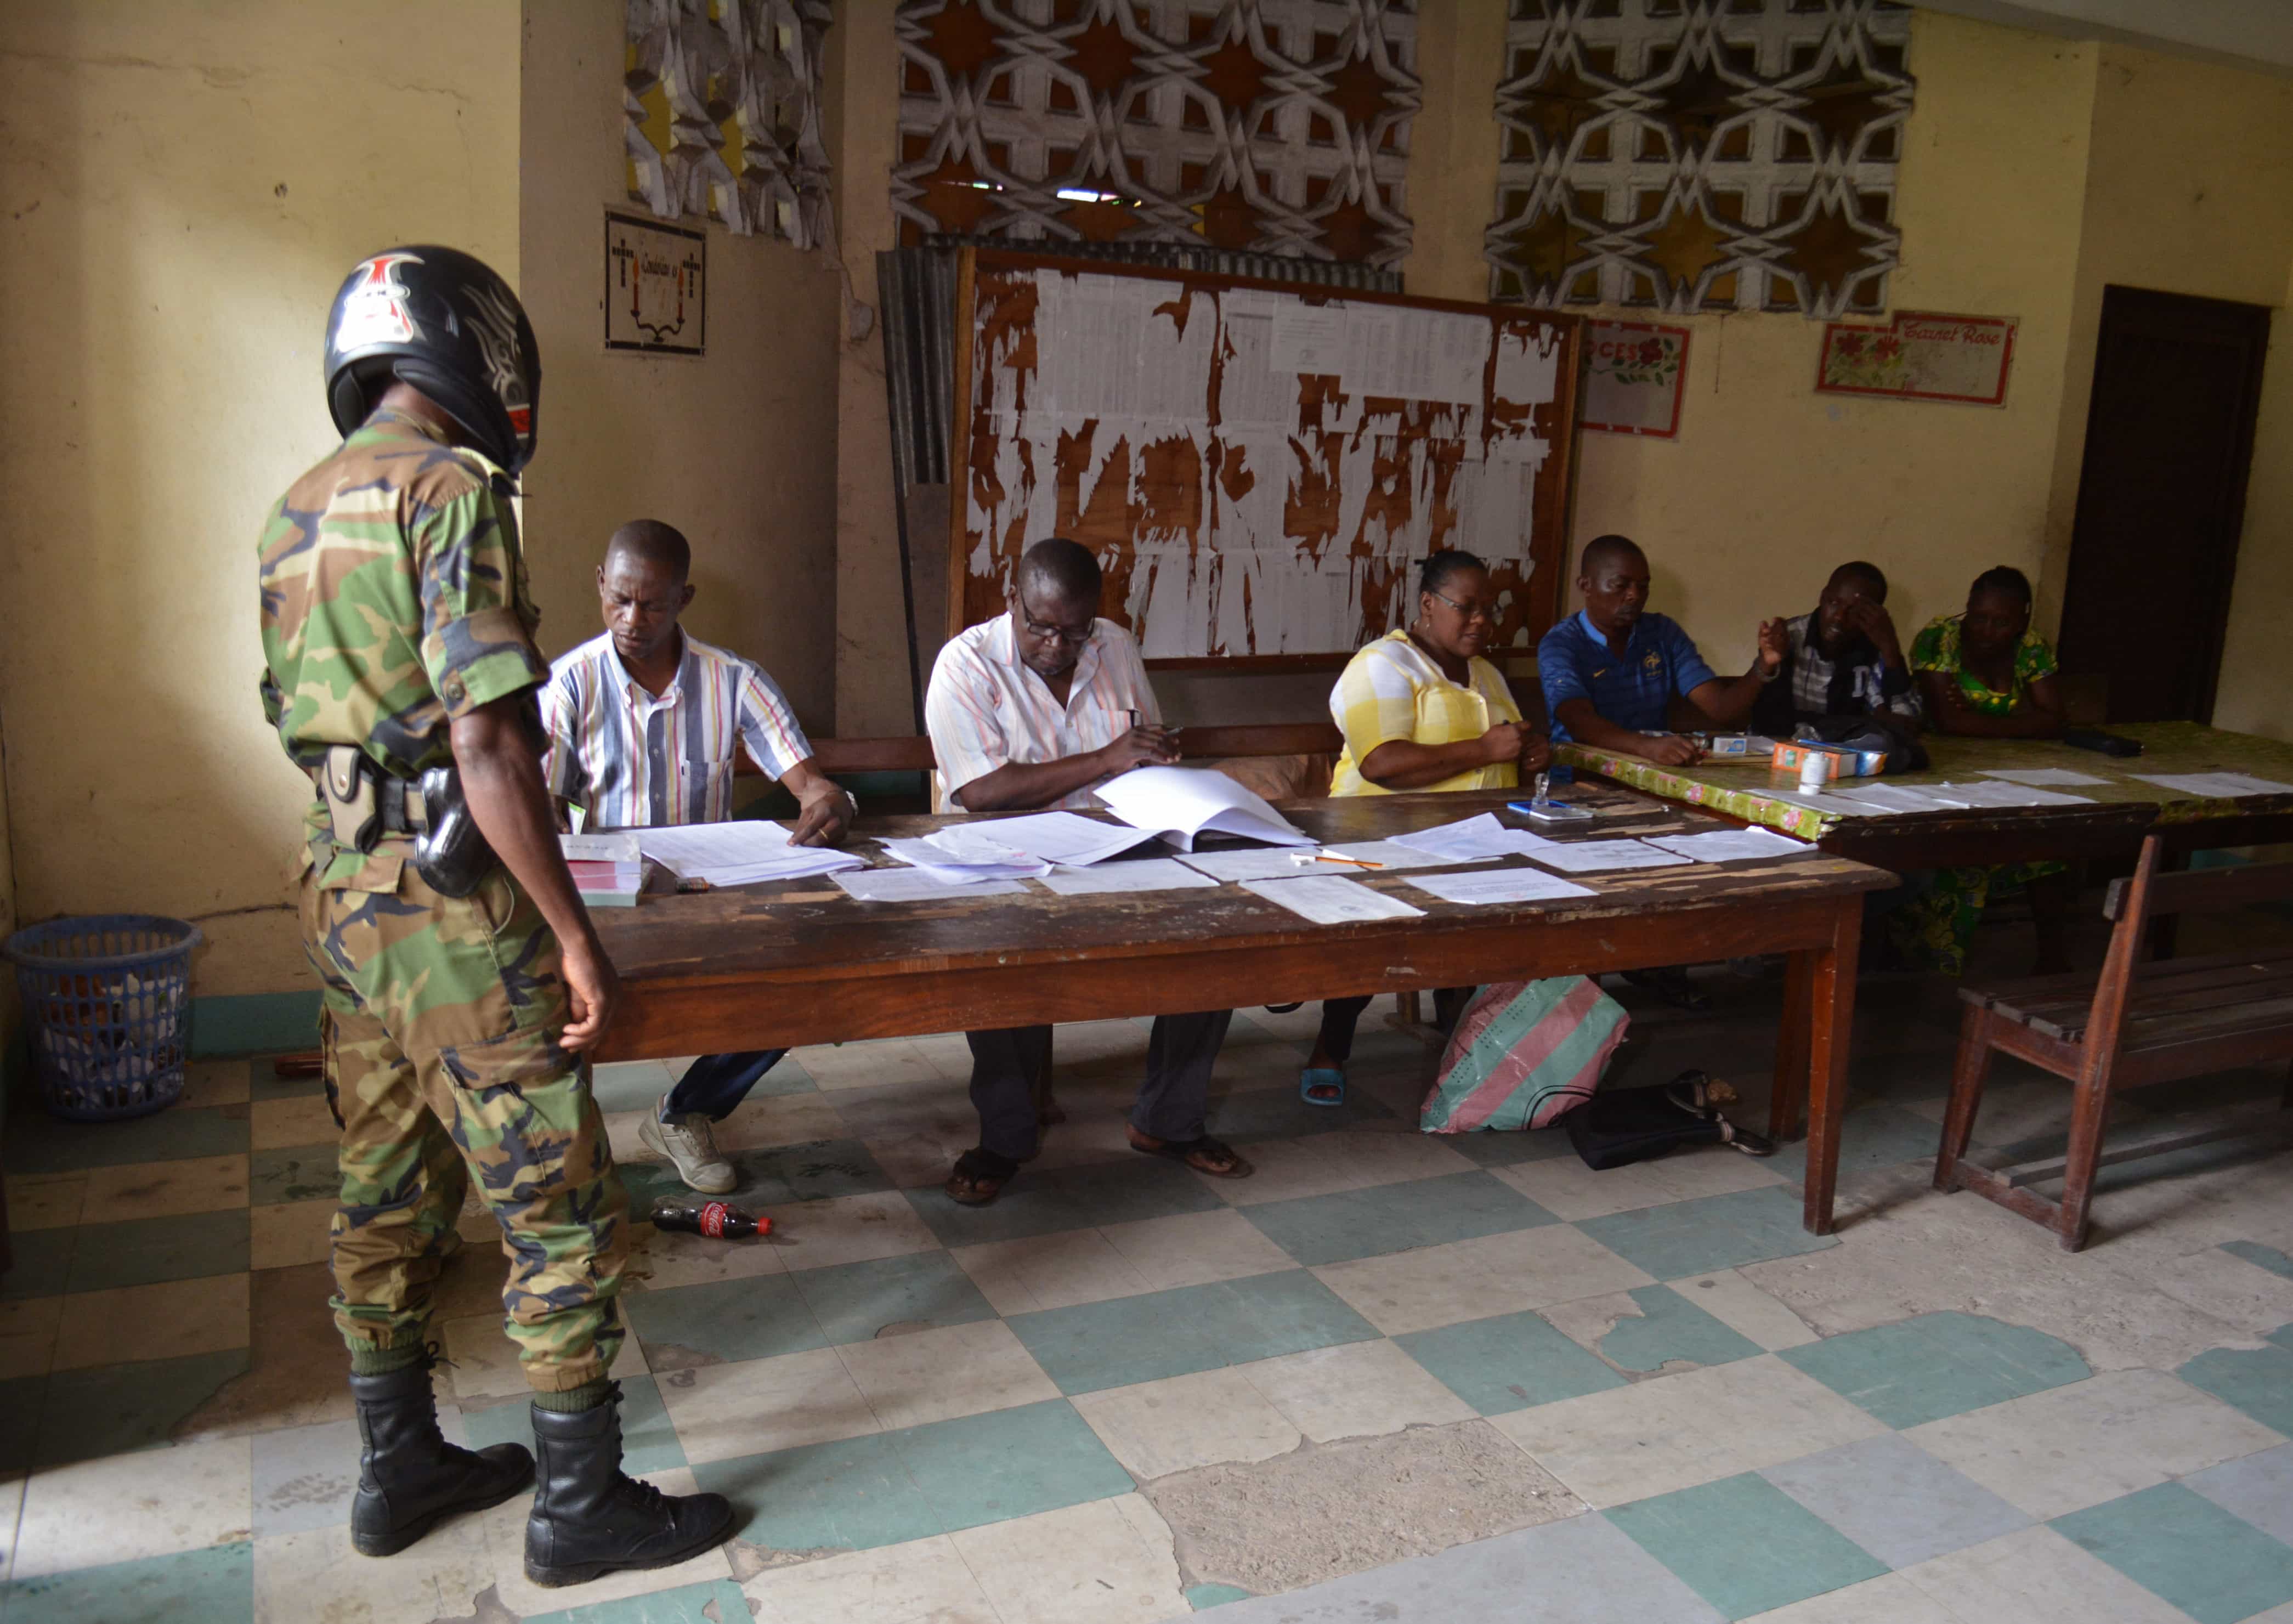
{"x": 441, "y": 321}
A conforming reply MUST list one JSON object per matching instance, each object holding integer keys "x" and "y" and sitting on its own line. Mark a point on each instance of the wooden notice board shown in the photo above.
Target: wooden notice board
{"x": 1258, "y": 466}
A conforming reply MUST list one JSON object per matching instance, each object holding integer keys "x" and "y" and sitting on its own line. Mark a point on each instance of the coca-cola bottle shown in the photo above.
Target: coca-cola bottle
{"x": 710, "y": 1218}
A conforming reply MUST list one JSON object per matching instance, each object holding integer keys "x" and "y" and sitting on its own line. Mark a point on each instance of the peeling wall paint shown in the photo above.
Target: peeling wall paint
{"x": 1258, "y": 471}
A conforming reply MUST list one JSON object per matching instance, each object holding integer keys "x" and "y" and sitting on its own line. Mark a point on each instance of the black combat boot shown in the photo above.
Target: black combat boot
{"x": 589, "y": 1519}
{"x": 410, "y": 1479}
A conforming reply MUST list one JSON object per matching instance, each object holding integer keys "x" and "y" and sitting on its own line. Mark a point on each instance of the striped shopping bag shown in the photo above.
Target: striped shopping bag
{"x": 1523, "y": 1054}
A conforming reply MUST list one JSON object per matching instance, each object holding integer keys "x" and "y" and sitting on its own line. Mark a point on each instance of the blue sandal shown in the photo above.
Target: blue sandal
{"x": 1312, "y": 1077}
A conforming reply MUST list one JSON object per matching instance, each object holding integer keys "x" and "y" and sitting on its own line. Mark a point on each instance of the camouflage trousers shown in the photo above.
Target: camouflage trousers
{"x": 440, "y": 1019}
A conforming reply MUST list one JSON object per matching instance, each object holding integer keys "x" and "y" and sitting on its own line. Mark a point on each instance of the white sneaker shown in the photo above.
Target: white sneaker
{"x": 690, "y": 1143}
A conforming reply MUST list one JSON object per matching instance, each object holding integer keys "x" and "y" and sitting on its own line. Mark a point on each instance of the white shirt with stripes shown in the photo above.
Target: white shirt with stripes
{"x": 984, "y": 710}
{"x": 631, "y": 760}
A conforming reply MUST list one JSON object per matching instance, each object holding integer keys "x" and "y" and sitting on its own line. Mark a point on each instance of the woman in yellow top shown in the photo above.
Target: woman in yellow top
{"x": 1420, "y": 709}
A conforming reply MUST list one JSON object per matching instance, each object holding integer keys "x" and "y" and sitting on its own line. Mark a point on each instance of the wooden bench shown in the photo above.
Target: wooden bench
{"x": 2137, "y": 1023}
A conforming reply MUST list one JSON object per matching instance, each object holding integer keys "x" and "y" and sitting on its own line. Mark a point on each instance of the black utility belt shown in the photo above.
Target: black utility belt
{"x": 364, "y": 803}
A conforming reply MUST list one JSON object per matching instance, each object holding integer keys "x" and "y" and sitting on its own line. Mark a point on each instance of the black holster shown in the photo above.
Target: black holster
{"x": 450, "y": 854}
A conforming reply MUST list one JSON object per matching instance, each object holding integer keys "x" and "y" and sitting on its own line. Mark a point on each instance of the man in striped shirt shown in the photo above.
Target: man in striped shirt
{"x": 646, "y": 724}
{"x": 1030, "y": 711}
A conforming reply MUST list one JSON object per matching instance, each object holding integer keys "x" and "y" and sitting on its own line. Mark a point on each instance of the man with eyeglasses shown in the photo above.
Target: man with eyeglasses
{"x": 1034, "y": 709}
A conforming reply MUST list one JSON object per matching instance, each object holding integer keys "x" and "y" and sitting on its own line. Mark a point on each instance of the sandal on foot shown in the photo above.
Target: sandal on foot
{"x": 1672, "y": 984}
{"x": 979, "y": 1177}
{"x": 1212, "y": 1157}
{"x": 1331, "y": 1080}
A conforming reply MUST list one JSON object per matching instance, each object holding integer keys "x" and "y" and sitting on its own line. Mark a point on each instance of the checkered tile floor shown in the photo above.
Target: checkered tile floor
{"x": 1125, "y": 1392}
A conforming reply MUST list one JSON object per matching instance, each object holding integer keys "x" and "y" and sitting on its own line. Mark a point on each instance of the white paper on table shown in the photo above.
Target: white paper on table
{"x": 1146, "y": 875}
{"x": 1591, "y": 857}
{"x": 744, "y": 852}
{"x": 1899, "y": 798}
{"x": 914, "y": 885}
{"x": 1473, "y": 839}
{"x": 1830, "y": 805}
{"x": 2215, "y": 786}
{"x": 1732, "y": 845}
{"x": 1067, "y": 839}
{"x": 620, "y": 846}
{"x": 1251, "y": 863}
{"x": 1500, "y": 885}
{"x": 1331, "y": 900}
{"x": 1392, "y": 854}
{"x": 1181, "y": 802}
{"x": 1986, "y": 794}
{"x": 946, "y": 867}
{"x": 2040, "y": 775}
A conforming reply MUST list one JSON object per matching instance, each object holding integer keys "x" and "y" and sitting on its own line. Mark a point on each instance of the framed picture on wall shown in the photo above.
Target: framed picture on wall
{"x": 656, "y": 287}
{"x": 1634, "y": 372}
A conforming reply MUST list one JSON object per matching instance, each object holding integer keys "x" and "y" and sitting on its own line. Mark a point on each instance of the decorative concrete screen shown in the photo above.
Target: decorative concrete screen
{"x": 724, "y": 107}
{"x": 1685, "y": 155}
{"x": 1275, "y": 126}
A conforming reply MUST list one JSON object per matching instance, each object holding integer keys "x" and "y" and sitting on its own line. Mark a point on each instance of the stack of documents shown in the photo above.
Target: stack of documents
{"x": 2215, "y": 786}
{"x": 742, "y": 853}
{"x": 1067, "y": 839}
{"x": 608, "y": 869}
{"x": 1178, "y": 803}
{"x": 977, "y": 865}
{"x": 1471, "y": 839}
{"x": 1732, "y": 845}
{"x": 915, "y": 885}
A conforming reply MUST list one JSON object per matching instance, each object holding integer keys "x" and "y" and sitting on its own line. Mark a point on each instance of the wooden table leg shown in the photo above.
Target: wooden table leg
{"x": 1831, "y": 1034}
{"x": 1787, "y": 1101}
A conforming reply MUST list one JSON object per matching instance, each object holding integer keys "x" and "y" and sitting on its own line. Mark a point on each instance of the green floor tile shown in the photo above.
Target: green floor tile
{"x": 1052, "y": 1203}
{"x": 1745, "y": 1546}
{"x": 854, "y": 1301}
{"x": 142, "y": 1251}
{"x": 1125, "y": 1340}
{"x": 1932, "y": 1366}
{"x": 1513, "y": 1361}
{"x": 722, "y": 1320}
{"x": 1008, "y": 1463}
{"x": 1278, "y": 1113}
{"x": 2216, "y": 1567}
{"x": 1202, "y": 1598}
{"x": 301, "y": 1172}
{"x": 1494, "y": 1148}
{"x": 214, "y": 1586}
{"x": 1672, "y": 1328}
{"x": 2257, "y": 1381}
{"x": 852, "y": 1494}
{"x": 649, "y": 1442}
{"x": 1874, "y": 1137}
{"x": 2267, "y": 1257}
{"x": 1337, "y": 1228}
{"x": 36, "y": 1142}
{"x": 112, "y": 1409}
{"x": 43, "y": 1262}
{"x": 717, "y": 1602}
{"x": 1710, "y": 1233}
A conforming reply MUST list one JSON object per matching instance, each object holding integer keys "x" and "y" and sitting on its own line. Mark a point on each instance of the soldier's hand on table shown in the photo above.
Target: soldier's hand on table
{"x": 824, "y": 818}
{"x": 592, "y": 988}
{"x": 1145, "y": 746}
{"x": 1670, "y": 750}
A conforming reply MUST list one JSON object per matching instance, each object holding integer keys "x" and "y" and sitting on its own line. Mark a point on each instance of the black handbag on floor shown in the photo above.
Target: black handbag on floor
{"x": 1618, "y": 1126}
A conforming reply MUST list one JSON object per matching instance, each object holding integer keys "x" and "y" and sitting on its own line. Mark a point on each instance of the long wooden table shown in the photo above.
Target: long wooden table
{"x": 2122, "y": 808}
{"x": 800, "y": 962}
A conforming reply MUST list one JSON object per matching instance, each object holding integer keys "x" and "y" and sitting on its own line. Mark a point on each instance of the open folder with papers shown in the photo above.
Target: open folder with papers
{"x": 744, "y": 852}
{"x": 1179, "y": 803}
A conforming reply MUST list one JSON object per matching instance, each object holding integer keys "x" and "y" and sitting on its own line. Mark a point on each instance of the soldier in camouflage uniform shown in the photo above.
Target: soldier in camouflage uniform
{"x": 459, "y": 989}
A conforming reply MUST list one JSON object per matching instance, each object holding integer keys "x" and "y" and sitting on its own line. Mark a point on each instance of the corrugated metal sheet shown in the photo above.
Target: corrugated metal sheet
{"x": 916, "y": 298}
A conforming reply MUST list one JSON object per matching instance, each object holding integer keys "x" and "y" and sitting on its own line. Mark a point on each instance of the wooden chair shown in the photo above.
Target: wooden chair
{"x": 2137, "y": 1023}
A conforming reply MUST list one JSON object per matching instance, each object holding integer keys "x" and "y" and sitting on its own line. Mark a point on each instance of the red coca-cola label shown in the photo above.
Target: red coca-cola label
{"x": 712, "y": 1218}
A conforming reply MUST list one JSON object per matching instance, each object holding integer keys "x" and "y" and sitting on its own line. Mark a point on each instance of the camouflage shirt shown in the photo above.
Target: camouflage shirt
{"x": 394, "y": 600}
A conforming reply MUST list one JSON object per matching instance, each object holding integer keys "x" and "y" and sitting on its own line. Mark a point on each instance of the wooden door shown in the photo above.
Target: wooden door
{"x": 2161, "y": 500}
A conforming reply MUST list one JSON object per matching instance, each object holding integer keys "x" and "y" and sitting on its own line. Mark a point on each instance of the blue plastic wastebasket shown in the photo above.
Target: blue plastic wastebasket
{"x": 107, "y": 1005}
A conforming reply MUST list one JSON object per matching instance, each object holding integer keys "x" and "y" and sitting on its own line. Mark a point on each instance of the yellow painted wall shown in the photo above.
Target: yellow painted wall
{"x": 183, "y": 187}
{"x": 2190, "y": 191}
{"x": 737, "y": 448}
{"x": 2257, "y": 678}
{"x": 1770, "y": 485}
